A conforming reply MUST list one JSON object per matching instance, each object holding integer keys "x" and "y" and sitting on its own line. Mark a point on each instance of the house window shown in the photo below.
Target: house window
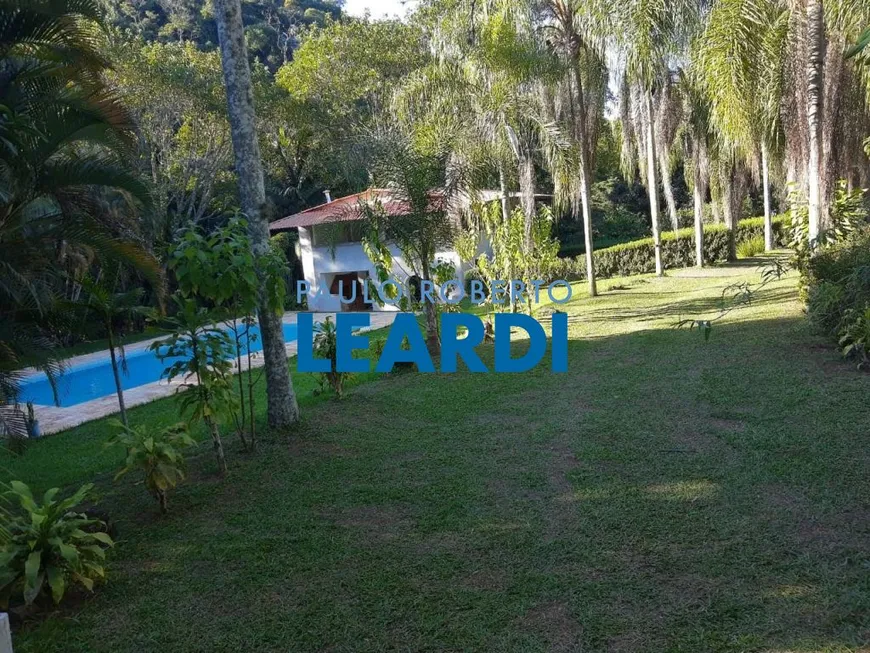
{"x": 337, "y": 233}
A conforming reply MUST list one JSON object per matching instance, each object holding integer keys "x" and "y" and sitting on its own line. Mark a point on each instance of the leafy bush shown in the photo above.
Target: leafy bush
{"x": 837, "y": 282}
{"x": 156, "y": 453}
{"x": 751, "y": 247}
{"x": 678, "y": 250}
{"x": 855, "y": 336}
{"x": 50, "y": 547}
{"x": 326, "y": 346}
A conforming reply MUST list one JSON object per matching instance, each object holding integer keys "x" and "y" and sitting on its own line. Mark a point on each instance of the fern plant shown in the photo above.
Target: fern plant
{"x": 49, "y": 547}
{"x": 156, "y": 453}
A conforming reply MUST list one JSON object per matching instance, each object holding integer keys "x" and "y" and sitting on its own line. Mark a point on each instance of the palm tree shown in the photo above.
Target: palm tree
{"x": 428, "y": 185}
{"x": 64, "y": 141}
{"x": 652, "y": 33}
{"x": 577, "y": 32}
{"x": 738, "y": 62}
{"x": 816, "y": 47}
{"x": 486, "y": 97}
{"x": 696, "y": 154}
{"x": 113, "y": 310}
{"x": 283, "y": 410}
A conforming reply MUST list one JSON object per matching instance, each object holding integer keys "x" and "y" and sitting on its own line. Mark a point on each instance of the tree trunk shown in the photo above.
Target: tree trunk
{"x": 505, "y": 197}
{"x": 527, "y": 196}
{"x": 283, "y": 410}
{"x": 652, "y": 186}
{"x": 118, "y": 388}
{"x": 815, "y": 93}
{"x": 433, "y": 341}
{"x": 585, "y": 199}
{"x": 242, "y": 415}
{"x": 716, "y": 207}
{"x": 506, "y": 215}
{"x": 698, "y": 194}
{"x": 730, "y": 207}
{"x": 765, "y": 181}
{"x": 161, "y": 498}
{"x": 668, "y": 189}
{"x": 218, "y": 445}
{"x": 251, "y": 404}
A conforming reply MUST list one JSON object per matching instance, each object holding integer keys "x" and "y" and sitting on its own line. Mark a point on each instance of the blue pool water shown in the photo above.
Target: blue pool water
{"x": 94, "y": 380}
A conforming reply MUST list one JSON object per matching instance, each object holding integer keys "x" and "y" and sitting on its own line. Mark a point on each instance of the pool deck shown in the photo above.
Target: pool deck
{"x": 53, "y": 419}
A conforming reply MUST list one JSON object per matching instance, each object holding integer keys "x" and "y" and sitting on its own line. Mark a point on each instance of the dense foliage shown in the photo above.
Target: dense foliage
{"x": 273, "y": 27}
{"x": 838, "y": 293}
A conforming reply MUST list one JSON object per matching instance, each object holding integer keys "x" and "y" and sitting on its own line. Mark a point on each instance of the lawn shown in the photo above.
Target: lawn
{"x": 666, "y": 494}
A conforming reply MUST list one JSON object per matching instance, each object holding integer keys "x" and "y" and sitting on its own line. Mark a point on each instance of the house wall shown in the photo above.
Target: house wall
{"x": 321, "y": 264}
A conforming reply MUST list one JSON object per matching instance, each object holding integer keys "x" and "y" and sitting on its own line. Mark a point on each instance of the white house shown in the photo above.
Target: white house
{"x": 331, "y": 250}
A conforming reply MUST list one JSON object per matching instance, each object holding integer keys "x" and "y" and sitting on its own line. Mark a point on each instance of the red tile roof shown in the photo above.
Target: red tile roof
{"x": 343, "y": 209}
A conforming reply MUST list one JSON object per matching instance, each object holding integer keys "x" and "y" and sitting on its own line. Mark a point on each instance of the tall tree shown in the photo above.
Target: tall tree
{"x": 738, "y": 61}
{"x": 112, "y": 310}
{"x": 283, "y": 410}
{"x": 652, "y": 33}
{"x": 427, "y": 187}
{"x": 816, "y": 46}
{"x": 578, "y": 32}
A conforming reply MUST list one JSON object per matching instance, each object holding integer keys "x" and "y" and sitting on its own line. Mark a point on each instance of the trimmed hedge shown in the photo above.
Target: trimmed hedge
{"x": 678, "y": 250}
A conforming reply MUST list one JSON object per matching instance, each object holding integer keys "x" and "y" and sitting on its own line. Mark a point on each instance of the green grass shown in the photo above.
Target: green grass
{"x": 666, "y": 494}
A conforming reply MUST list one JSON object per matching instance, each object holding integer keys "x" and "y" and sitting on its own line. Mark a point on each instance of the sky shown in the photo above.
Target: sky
{"x": 378, "y": 8}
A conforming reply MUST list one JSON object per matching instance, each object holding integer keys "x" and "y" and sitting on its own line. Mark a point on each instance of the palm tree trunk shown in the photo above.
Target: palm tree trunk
{"x": 698, "y": 194}
{"x": 729, "y": 207}
{"x": 506, "y": 216}
{"x": 652, "y": 186}
{"x": 118, "y": 388}
{"x": 815, "y": 93}
{"x": 716, "y": 207}
{"x": 505, "y": 197}
{"x": 527, "y": 196}
{"x": 765, "y": 181}
{"x": 668, "y": 189}
{"x": 283, "y": 410}
{"x": 585, "y": 199}
{"x": 433, "y": 341}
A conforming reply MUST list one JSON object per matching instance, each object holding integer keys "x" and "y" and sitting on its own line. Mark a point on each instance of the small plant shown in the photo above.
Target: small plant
{"x": 855, "y": 336}
{"x": 200, "y": 355}
{"x": 325, "y": 346}
{"x": 49, "y": 547}
{"x": 751, "y": 247}
{"x": 156, "y": 453}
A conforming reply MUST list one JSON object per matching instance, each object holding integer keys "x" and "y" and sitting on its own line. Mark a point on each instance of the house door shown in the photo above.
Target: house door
{"x": 350, "y": 282}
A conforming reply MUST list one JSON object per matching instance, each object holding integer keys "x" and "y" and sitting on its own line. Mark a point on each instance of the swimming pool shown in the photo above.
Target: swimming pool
{"x": 88, "y": 381}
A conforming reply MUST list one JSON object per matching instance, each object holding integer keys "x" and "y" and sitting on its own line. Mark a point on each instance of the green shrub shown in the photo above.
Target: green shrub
{"x": 678, "y": 250}
{"x": 326, "y": 346}
{"x": 751, "y": 247}
{"x": 837, "y": 283}
{"x": 855, "y": 336}
{"x": 157, "y": 453}
{"x": 49, "y": 547}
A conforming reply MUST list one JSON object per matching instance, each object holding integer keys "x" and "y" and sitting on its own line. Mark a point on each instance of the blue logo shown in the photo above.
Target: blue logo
{"x": 407, "y": 344}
